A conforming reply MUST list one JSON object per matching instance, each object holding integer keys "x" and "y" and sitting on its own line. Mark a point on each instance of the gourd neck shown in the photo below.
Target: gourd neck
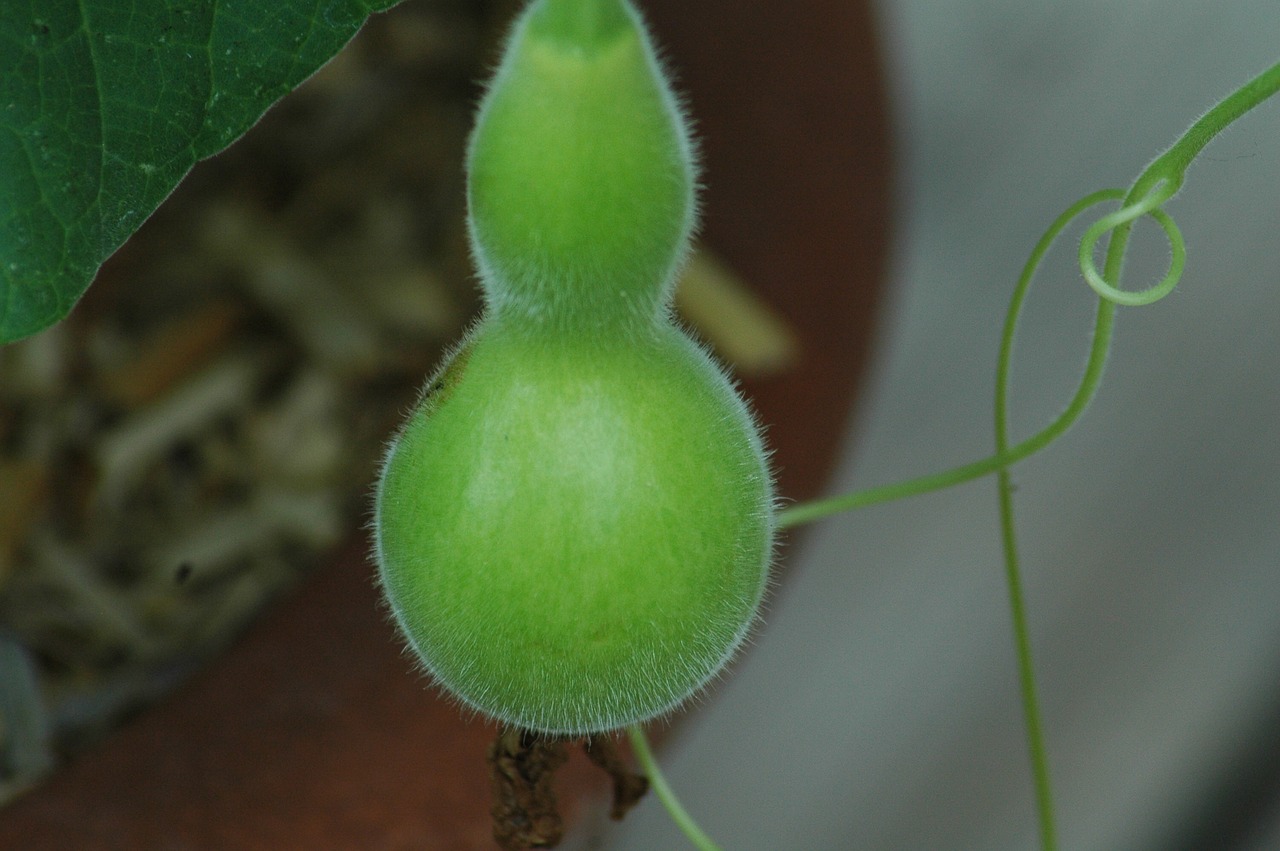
{"x": 579, "y": 330}
{"x": 579, "y": 26}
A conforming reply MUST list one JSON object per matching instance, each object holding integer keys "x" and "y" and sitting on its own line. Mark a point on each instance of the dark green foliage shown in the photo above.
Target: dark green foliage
{"x": 106, "y": 104}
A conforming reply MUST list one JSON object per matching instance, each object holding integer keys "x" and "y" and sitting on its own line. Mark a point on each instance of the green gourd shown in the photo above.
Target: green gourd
{"x": 574, "y": 527}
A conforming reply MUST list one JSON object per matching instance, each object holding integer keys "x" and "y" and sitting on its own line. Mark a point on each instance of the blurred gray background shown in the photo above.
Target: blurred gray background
{"x": 880, "y": 708}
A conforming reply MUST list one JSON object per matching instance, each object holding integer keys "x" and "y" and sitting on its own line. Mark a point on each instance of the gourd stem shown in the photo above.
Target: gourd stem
{"x": 644, "y": 754}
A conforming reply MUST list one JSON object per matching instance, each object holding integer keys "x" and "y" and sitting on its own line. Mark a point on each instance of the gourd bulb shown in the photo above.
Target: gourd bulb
{"x": 574, "y": 527}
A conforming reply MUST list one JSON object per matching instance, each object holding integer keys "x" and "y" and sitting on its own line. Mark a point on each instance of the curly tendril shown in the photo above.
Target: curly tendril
{"x": 1157, "y": 184}
{"x": 1124, "y": 216}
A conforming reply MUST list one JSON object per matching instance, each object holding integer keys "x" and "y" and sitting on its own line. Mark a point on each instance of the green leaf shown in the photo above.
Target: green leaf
{"x": 106, "y": 104}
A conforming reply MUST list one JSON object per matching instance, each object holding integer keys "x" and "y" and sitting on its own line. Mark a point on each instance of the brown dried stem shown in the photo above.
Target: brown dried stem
{"x": 523, "y": 764}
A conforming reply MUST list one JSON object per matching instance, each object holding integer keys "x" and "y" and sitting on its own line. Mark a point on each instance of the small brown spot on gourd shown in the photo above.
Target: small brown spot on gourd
{"x": 445, "y": 381}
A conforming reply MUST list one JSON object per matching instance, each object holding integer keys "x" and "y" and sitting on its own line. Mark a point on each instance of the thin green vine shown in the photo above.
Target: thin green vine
{"x": 1158, "y": 183}
{"x": 1008, "y": 531}
{"x": 684, "y": 821}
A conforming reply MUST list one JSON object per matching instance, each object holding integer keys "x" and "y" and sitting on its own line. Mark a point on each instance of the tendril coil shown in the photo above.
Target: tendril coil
{"x": 1124, "y": 217}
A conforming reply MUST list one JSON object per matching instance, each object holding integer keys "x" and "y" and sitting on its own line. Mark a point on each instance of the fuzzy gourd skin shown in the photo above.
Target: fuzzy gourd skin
{"x": 580, "y": 172}
{"x": 574, "y": 527}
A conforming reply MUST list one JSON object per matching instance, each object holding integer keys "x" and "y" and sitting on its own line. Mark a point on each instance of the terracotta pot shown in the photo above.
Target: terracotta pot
{"x": 313, "y": 732}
